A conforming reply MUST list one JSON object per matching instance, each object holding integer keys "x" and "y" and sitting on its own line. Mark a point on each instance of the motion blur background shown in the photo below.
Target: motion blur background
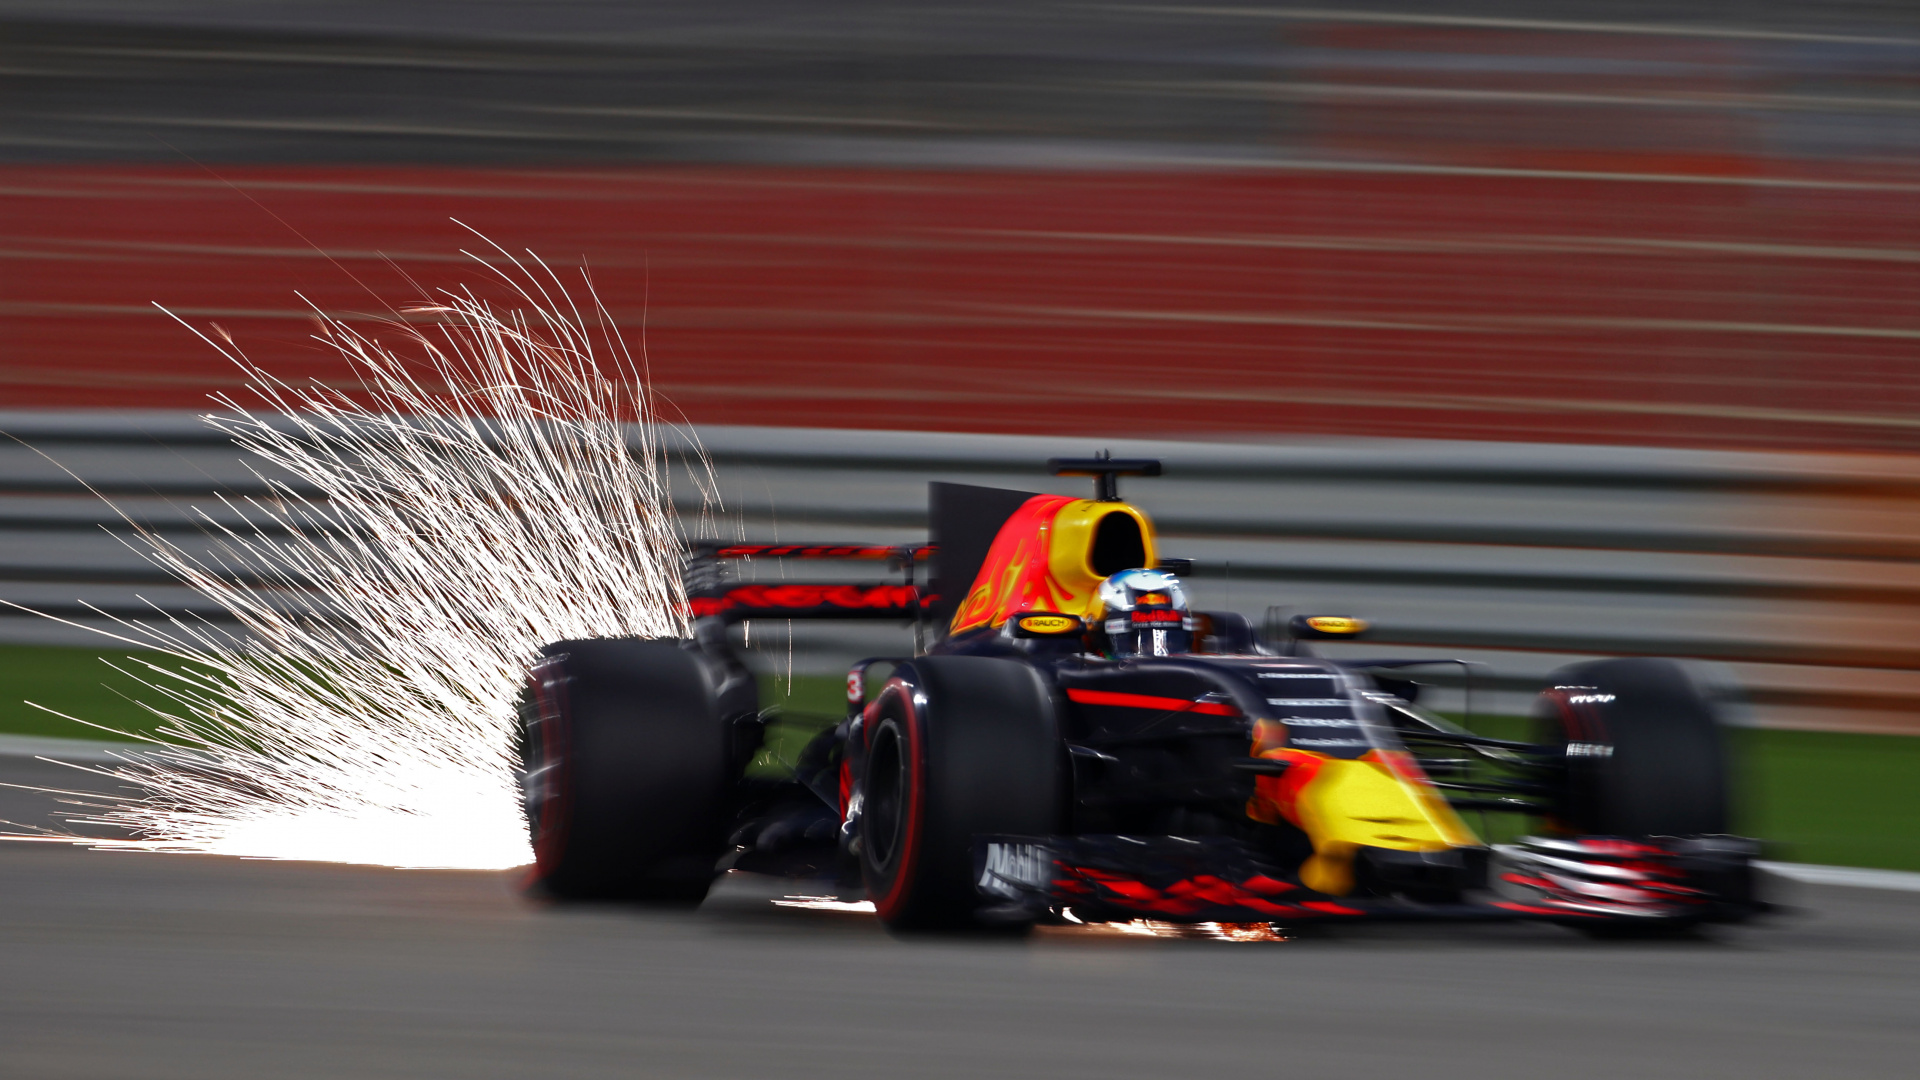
{"x": 1531, "y": 331}
{"x": 1675, "y": 224}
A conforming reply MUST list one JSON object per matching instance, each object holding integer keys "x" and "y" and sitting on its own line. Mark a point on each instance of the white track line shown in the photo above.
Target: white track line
{"x": 88, "y": 751}
{"x": 1480, "y": 22}
{"x": 1852, "y": 876}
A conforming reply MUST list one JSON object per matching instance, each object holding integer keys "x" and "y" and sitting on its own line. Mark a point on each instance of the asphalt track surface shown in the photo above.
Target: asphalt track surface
{"x": 137, "y": 965}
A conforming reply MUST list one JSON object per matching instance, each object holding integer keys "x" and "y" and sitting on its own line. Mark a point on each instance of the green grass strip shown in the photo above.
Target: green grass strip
{"x": 1831, "y": 797}
{"x": 1816, "y": 797}
{"x": 77, "y": 682}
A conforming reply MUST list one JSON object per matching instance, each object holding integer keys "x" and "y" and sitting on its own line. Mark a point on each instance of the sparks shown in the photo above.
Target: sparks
{"x": 826, "y": 903}
{"x": 498, "y": 488}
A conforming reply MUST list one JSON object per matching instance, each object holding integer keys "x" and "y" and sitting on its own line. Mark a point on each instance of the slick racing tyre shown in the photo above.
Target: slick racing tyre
{"x": 1642, "y": 747}
{"x": 626, "y": 771}
{"x": 956, "y": 747}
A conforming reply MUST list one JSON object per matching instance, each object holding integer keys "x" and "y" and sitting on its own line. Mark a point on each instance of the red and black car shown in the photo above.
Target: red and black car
{"x": 1072, "y": 742}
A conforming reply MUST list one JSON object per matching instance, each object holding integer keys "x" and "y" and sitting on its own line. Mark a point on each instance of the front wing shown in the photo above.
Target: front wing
{"x": 1116, "y": 878}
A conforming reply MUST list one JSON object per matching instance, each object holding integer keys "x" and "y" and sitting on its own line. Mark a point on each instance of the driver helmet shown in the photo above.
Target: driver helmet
{"x": 1142, "y": 613}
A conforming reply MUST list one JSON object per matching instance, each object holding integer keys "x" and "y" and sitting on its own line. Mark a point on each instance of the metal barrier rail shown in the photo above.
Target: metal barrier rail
{"x": 1796, "y": 572}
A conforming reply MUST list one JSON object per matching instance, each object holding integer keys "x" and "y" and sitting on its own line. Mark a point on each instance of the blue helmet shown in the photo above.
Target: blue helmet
{"x": 1142, "y": 613}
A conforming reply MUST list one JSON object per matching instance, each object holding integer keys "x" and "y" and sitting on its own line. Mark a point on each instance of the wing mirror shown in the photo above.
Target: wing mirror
{"x": 1327, "y": 627}
{"x": 1046, "y": 624}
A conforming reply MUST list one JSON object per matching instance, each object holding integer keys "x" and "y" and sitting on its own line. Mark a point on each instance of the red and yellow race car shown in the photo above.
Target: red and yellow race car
{"x": 1073, "y": 742}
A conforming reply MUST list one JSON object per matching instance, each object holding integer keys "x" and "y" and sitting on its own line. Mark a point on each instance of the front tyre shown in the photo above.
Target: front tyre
{"x": 955, "y": 747}
{"x": 626, "y": 767}
{"x": 1642, "y": 749}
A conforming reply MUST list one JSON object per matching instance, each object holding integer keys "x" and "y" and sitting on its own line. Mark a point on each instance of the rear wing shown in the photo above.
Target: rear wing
{"x": 713, "y": 592}
{"x": 963, "y": 522}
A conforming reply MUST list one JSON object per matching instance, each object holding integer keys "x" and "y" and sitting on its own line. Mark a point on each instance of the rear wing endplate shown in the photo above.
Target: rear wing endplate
{"x": 713, "y": 593}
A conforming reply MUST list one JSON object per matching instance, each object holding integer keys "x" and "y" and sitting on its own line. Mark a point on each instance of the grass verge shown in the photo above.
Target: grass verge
{"x": 1818, "y": 797}
{"x": 77, "y": 682}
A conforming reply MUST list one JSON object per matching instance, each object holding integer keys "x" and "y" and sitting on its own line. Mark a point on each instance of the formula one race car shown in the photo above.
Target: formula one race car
{"x": 1076, "y": 744}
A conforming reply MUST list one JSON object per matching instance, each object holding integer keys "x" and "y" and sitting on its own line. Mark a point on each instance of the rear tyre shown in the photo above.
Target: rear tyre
{"x": 955, "y": 747}
{"x": 626, "y": 766}
{"x": 1643, "y": 750}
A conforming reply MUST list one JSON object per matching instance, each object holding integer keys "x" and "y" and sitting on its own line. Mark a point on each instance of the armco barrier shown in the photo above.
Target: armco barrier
{"x": 1794, "y": 575}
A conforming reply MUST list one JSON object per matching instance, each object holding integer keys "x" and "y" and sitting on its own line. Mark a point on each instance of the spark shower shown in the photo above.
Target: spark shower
{"x": 495, "y": 483}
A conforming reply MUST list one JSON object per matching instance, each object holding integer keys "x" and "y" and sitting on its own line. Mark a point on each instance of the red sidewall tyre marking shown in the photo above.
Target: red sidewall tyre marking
{"x": 550, "y": 839}
{"x": 900, "y": 888}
